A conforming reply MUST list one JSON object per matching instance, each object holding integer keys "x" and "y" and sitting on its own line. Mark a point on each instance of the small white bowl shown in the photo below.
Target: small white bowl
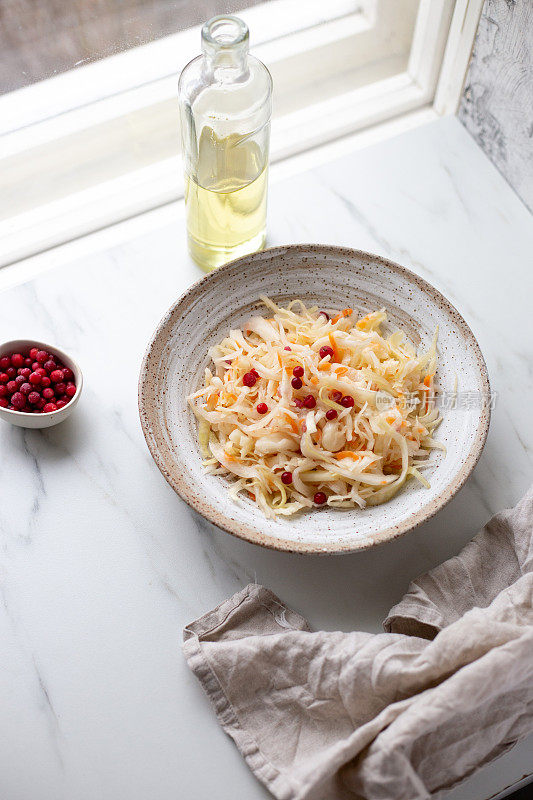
{"x": 21, "y": 418}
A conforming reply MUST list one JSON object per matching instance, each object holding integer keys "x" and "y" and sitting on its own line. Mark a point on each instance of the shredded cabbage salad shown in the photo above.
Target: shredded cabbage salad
{"x": 302, "y": 409}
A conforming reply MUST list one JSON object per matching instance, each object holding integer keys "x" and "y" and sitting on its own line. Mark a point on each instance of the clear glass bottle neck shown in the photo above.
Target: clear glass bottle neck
{"x": 225, "y": 46}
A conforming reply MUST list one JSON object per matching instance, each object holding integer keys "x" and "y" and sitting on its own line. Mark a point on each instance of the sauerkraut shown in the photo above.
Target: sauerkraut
{"x": 301, "y": 409}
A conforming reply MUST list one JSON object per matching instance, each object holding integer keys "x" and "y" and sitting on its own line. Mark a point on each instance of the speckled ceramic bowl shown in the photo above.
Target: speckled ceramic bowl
{"x": 333, "y": 278}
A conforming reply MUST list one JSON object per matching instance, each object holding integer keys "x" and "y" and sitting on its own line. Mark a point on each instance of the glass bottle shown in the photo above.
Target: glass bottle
{"x": 225, "y": 99}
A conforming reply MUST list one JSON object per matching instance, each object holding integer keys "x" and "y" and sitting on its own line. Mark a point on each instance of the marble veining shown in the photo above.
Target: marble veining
{"x": 101, "y": 564}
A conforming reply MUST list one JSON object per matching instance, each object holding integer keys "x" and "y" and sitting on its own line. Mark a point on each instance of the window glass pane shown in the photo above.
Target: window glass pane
{"x": 42, "y": 38}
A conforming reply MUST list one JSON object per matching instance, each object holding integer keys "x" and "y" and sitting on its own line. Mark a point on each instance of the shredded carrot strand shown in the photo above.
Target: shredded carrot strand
{"x": 347, "y": 454}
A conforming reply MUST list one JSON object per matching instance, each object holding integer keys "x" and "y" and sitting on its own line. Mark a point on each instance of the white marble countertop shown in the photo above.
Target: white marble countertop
{"x": 101, "y": 564}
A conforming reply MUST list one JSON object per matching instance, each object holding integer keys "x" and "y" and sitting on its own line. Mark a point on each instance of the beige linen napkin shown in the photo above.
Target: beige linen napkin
{"x": 401, "y": 715}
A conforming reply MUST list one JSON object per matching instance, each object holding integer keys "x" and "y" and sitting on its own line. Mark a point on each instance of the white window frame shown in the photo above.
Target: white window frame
{"x": 57, "y": 118}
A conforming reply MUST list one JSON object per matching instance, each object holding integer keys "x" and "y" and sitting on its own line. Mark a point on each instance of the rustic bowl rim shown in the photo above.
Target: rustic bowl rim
{"x": 251, "y": 533}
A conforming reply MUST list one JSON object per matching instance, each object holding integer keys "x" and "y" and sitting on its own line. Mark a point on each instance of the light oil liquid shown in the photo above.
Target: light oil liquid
{"x": 226, "y": 200}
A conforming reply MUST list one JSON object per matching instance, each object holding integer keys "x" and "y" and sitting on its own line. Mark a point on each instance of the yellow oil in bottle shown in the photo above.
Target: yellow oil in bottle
{"x": 226, "y": 200}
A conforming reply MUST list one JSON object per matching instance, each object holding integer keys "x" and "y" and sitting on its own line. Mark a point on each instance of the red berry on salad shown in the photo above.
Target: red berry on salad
{"x": 298, "y": 372}
{"x": 262, "y": 408}
{"x": 331, "y": 414}
{"x": 248, "y": 379}
{"x": 296, "y": 383}
{"x": 286, "y": 478}
{"x": 320, "y": 498}
{"x": 309, "y": 401}
{"x": 326, "y": 351}
{"x": 347, "y": 401}
{"x": 336, "y": 396}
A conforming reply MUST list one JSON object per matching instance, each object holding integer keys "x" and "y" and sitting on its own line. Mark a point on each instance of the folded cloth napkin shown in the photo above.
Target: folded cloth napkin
{"x": 401, "y": 715}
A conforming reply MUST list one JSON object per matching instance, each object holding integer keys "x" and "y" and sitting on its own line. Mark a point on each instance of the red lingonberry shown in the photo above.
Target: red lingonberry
{"x": 68, "y": 375}
{"x": 5, "y": 363}
{"x": 49, "y": 407}
{"x": 25, "y": 372}
{"x": 17, "y": 360}
{"x": 18, "y": 401}
{"x": 35, "y": 378}
{"x": 4, "y": 377}
{"x": 347, "y": 401}
{"x": 34, "y": 398}
{"x": 12, "y": 387}
{"x": 48, "y": 393}
{"x": 3, "y": 390}
{"x": 19, "y": 380}
{"x": 41, "y": 356}
{"x": 3, "y": 402}
{"x": 286, "y": 478}
{"x": 61, "y": 404}
{"x": 33, "y": 352}
{"x": 320, "y": 498}
{"x": 326, "y": 351}
{"x": 298, "y": 372}
{"x": 309, "y": 401}
{"x": 60, "y": 388}
{"x": 71, "y": 391}
{"x": 248, "y": 378}
{"x": 11, "y": 373}
{"x": 296, "y": 383}
{"x": 331, "y": 414}
{"x": 336, "y": 396}
{"x": 45, "y": 381}
{"x": 262, "y": 408}
{"x": 26, "y": 388}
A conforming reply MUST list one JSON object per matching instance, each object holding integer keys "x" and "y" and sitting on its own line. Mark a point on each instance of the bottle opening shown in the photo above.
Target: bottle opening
{"x": 224, "y": 32}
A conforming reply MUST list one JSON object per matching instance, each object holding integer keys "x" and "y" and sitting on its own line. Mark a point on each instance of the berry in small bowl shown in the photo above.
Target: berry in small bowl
{"x": 39, "y": 384}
